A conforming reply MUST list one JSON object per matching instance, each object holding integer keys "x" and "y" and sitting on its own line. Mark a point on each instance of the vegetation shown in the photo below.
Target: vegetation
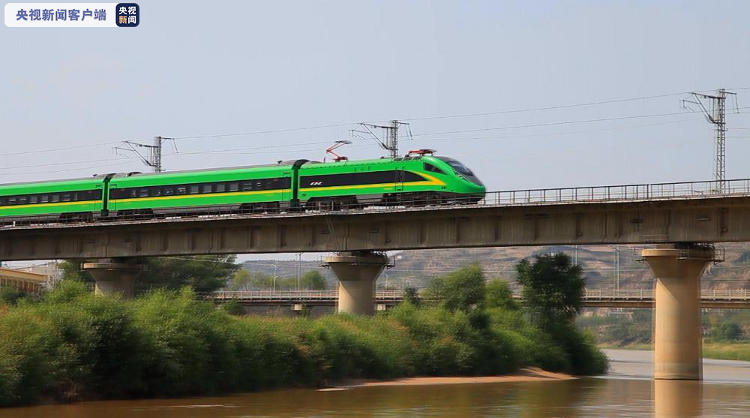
{"x": 11, "y": 295}
{"x": 203, "y": 273}
{"x": 727, "y": 332}
{"x": 633, "y": 328}
{"x": 73, "y": 345}
{"x": 552, "y": 289}
{"x": 246, "y": 280}
{"x": 725, "y": 351}
{"x": 463, "y": 289}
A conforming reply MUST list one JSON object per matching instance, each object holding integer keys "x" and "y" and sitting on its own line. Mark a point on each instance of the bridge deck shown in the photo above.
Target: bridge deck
{"x": 704, "y": 212}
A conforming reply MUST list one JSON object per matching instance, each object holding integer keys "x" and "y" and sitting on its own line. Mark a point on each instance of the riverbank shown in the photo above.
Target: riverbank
{"x": 639, "y": 364}
{"x": 526, "y": 374}
{"x": 718, "y": 351}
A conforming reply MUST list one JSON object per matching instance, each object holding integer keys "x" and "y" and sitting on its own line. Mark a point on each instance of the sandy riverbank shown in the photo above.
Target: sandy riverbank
{"x": 529, "y": 374}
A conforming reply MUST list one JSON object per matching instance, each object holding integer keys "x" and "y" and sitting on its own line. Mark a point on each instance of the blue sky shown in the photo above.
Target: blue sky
{"x": 196, "y": 69}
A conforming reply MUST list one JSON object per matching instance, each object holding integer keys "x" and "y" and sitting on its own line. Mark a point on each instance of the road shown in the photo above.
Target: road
{"x": 629, "y": 364}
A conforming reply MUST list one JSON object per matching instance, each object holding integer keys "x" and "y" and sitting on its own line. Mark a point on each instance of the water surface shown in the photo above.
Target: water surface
{"x": 628, "y": 391}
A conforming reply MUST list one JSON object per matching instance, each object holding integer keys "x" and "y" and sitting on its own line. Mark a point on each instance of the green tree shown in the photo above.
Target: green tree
{"x": 728, "y": 331}
{"x": 462, "y": 289}
{"x": 552, "y": 288}
{"x": 241, "y": 280}
{"x": 203, "y": 273}
{"x": 71, "y": 270}
{"x": 234, "y": 307}
{"x": 499, "y": 295}
{"x": 313, "y": 280}
{"x": 411, "y": 295}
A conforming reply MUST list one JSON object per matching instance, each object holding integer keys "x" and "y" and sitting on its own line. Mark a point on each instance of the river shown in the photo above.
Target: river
{"x": 626, "y": 391}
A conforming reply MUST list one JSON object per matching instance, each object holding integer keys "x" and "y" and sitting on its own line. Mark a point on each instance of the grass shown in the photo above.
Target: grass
{"x": 719, "y": 351}
{"x": 727, "y": 351}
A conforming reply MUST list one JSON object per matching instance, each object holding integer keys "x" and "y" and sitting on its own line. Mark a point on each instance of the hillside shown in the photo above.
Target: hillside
{"x": 416, "y": 268}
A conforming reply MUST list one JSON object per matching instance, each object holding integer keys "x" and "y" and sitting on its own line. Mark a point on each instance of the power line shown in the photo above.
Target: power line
{"x": 568, "y": 106}
{"x": 616, "y": 128}
{"x": 338, "y": 125}
{"x": 570, "y": 122}
{"x": 61, "y": 149}
{"x": 67, "y": 170}
{"x": 56, "y": 164}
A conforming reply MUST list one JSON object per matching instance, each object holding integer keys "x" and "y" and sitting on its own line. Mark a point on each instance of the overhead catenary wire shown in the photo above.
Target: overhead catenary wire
{"x": 559, "y": 123}
{"x": 267, "y": 148}
{"x": 344, "y": 124}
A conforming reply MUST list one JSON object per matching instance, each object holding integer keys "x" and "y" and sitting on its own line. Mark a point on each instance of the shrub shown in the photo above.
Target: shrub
{"x": 234, "y": 307}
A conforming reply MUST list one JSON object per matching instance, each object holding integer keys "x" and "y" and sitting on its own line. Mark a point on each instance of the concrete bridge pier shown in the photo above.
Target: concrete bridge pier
{"x": 114, "y": 276}
{"x": 678, "y": 345}
{"x": 357, "y": 273}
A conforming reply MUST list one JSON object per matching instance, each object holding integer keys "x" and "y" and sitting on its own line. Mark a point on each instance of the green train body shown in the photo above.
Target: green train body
{"x": 293, "y": 185}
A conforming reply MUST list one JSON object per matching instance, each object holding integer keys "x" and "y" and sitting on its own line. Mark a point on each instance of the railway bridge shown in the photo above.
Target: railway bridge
{"x": 681, "y": 220}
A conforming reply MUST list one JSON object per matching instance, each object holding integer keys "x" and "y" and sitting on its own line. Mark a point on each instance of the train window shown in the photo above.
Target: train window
{"x": 195, "y": 189}
{"x": 234, "y": 186}
{"x": 22, "y": 200}
{"x": 247, "y": 186}
{"x": 65, "y": 197}
{"x": 221, "y": 187}
{"x": 181, "y": 190}
{"x": 2, "y": 201}
{"x": 55, "y": 197}
{"x": 33, "y": 199}
{"x": 206, "y": 188}
{"x": 167, "y": 191}
{"x": 45, "y": 198}
{"x": 258, "y": 185}
{"x": 12, "y": 200}
{"x": 154, "y": 191}
{"x": 143, "y": 192}
{"x": 431, "y": 168}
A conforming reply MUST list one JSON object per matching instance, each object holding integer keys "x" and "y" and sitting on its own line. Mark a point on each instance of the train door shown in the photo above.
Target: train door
{"x": 399, "y": 185}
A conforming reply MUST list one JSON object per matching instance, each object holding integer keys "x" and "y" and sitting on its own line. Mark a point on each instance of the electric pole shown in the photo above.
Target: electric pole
{"x": 152, "y": 157}
{"x": 389, "y": 141}
{"x": 156, "y": 154}
{"x": 716, "y": 114}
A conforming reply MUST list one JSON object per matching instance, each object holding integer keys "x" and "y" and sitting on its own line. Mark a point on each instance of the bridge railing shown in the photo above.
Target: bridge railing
{"x": 589, "y": 294}
{"x": 300, "y": 295}
{"x": 656, "y": 191}
{"x": 648, "y": 294}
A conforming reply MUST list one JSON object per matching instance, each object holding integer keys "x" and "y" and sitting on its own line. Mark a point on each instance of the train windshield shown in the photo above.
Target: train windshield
{"x": 456, "y": 165}
{"x": 461, "y": 169}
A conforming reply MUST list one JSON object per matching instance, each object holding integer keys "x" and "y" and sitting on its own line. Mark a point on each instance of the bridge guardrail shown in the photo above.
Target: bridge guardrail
{"x": 300, "y": 295}
{"x": 589, "y": 294}
{"x": 654, "y": 191}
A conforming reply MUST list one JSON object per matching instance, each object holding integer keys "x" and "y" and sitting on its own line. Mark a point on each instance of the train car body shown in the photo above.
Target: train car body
{"x": 74, "y": 199}
{"x": 251, "y": 188}
{"x": 291, "y": 185}
{"x": 421, "y": 180}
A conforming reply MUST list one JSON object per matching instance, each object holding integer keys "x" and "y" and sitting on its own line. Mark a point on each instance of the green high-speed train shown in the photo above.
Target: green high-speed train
{"x": 291, "y": 185}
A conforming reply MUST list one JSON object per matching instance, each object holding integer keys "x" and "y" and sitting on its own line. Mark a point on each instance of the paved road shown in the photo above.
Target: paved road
{"x": 640, "y": 364}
